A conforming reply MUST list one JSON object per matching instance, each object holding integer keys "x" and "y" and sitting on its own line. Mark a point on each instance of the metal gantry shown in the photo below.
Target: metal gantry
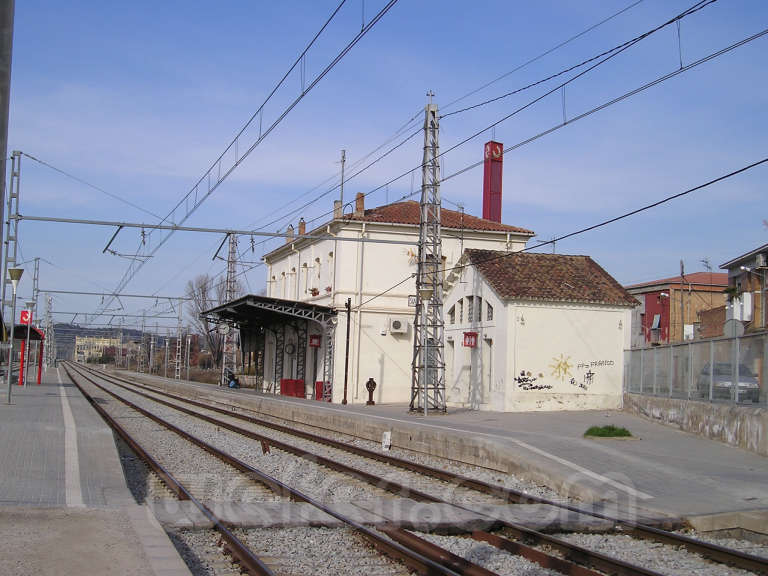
{"x": 228, "y": 351}
{"x": 50, "y": 336}
{"x": 11, "y": 228}
{"x": 428, "y": 367}
{"x": 179, "y": 330}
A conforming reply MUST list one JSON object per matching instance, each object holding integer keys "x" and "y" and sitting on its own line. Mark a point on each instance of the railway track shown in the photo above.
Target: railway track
{"x": 240, "y": 551}
{"x": 544, "y": 549}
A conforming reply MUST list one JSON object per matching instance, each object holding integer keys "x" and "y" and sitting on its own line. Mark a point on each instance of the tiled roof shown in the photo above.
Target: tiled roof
{"x": 699, "y": 278}
{"x": 550, "y": 277}
{"x": 408, "y": 213}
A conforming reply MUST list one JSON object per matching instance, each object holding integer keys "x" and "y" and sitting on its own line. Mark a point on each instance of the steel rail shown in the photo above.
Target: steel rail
{"x": 573, "y": 551}
{"x": 410, "y": 557}
{"x": 714, "y": 552}
{"x": 435, "y": 552}
{"x": 388, "y": 485}
{"x": 238, "y": 549}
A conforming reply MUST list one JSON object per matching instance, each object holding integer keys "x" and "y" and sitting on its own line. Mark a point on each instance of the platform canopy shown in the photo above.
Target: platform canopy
{"x": 20, "y": 333}
{"x": 263, "y": 310}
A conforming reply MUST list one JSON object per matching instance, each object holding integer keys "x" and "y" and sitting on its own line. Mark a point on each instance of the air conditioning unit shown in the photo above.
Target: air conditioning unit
{"x": 398, "y": 326}
{"x": 761, "y": 260}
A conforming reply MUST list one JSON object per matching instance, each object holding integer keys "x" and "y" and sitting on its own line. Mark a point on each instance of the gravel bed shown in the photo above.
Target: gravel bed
{"x": 487, "y": 556}
{"x": 440, "y": 489}
{"x": 475, "y": 472}
{"x": 206, "y": 476}
{"x": 319, "y": 551}
{"x": 488, "y": 475}
{"x": 756, "y": 547}
{"x": 202, "y": 554}
{"x": 652, "y": 555}
{"x": 304, "y": 475}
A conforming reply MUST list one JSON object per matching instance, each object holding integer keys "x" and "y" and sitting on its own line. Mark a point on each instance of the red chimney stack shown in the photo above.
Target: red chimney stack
{"x": 492, "y": 172}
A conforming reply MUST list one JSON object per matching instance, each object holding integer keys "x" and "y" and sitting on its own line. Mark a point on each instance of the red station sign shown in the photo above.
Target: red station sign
{"x": 470, "y": 339}
{"x": 314, "y": 340}
{"x": 25, "y": 317}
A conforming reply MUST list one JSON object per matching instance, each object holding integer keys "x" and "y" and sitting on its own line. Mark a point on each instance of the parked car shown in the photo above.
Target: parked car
{"x": 722, "y": 383}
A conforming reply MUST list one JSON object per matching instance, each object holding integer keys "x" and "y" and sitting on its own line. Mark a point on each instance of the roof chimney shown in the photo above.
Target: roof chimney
{"x": 492, "y": 173}
{"x": 359, "y": 204}
{"x": 336, "y": 209}
{"x": 302, "y": 227}
{"x": 289, "y": 234}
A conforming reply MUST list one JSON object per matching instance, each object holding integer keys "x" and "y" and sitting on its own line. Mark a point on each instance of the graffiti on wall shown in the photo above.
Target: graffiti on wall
{"x": 586, "y": 380}
{"x": 527, "y": 381}
{"x": 561, "y": 367}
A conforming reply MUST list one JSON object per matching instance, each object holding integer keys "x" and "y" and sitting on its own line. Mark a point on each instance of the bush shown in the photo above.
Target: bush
{"x": 609, "y": 431}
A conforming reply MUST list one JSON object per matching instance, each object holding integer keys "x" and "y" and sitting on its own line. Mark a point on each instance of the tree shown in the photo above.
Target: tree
{"x": 206, "y": 293}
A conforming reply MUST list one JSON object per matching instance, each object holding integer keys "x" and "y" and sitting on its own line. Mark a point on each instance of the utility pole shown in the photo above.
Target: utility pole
{"x": 6, "y": 51}
{"x": 341, "y": 195}
{"x": 179, "y": 334}
{"x": 428, "y": 368}
{"x": 140, "y": 359}
{"x": 189, "y": 342}
{"x": 50, "y": 338}
{"x": 165, "y": 372}
{"x": 228, "y": 349}
{"x": 11, "y": 228}
{"x": 152, "y": 350}
{"x": 682, "y": 301}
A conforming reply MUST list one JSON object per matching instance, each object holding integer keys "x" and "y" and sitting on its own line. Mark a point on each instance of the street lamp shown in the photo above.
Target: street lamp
{"x": 15, "y": 275}
{"x": 30, "y": 306}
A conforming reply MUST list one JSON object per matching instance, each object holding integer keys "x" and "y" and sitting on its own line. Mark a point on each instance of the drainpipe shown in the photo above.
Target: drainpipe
{"x": 359, "y": 296}
{"x": 335, "y": 259}
{"x": 298, "y": 270}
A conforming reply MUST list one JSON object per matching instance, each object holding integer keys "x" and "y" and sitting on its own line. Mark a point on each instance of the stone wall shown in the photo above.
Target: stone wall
{"x": 740, "y": 426}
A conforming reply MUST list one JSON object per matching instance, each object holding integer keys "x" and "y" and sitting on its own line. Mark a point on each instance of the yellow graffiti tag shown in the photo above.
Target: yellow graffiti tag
{"x": 561, "y": 367}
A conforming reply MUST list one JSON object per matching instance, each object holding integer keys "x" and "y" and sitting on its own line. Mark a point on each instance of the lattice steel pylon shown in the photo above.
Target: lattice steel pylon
{"x": 140, "y": 361}
{"x": 11, "y": 230}
{"x": 228, "y": 352}
{"x": 49, "y": 354}
{"x": 179, "y": 330}
{"x": 428, "y": 367}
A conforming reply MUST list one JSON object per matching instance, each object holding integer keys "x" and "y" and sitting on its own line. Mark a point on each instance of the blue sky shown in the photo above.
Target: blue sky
{"x": 140, "y": 98}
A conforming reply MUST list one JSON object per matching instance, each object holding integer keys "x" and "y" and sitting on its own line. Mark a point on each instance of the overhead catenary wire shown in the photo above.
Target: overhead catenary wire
{"x": 618, "y": 99}
{"x": 693, "y": 9}
{"x": 89, "y": 185}
{"x": 416, "y": 117}
{"x": 135, "y": 266}
{"x": 583, "y": 230}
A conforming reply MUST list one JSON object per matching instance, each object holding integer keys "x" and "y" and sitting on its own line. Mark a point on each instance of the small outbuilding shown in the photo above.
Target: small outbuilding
{"x": 528, "y": 331}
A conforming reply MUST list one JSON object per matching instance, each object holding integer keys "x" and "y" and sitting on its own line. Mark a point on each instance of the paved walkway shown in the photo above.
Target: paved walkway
{"x": 64, "y": 505}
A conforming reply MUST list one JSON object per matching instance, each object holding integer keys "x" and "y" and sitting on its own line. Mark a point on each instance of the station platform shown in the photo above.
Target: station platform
{"x": 660, "y": 470}
{"x": 64, "y": 506}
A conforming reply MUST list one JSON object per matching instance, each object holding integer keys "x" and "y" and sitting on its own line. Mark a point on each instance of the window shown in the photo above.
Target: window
{"x": 460, "y": 304}
{"x": 470, "y": 308}
{"x": 479, "y": 308}
{"x": 489, "y": 317}
{"x": 452, "y": 315}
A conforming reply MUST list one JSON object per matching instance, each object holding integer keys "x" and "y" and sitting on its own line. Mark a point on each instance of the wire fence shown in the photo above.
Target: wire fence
{"x": 703, "y": 370}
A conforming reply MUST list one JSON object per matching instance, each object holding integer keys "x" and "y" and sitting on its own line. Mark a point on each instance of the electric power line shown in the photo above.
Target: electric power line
{"x": 584, "y": 230}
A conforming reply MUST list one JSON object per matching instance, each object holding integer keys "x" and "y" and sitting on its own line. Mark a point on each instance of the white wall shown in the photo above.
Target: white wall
{"x": 362, "y": 272}
{"x": 565, "y": 356}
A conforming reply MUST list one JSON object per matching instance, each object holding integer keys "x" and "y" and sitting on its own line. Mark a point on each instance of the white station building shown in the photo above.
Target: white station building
{"x": 522, "y": 331}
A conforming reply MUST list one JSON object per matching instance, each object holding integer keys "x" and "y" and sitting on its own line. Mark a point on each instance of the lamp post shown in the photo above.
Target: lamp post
{"x": 30, "y": 307}
{"x": 15, "y": 276}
